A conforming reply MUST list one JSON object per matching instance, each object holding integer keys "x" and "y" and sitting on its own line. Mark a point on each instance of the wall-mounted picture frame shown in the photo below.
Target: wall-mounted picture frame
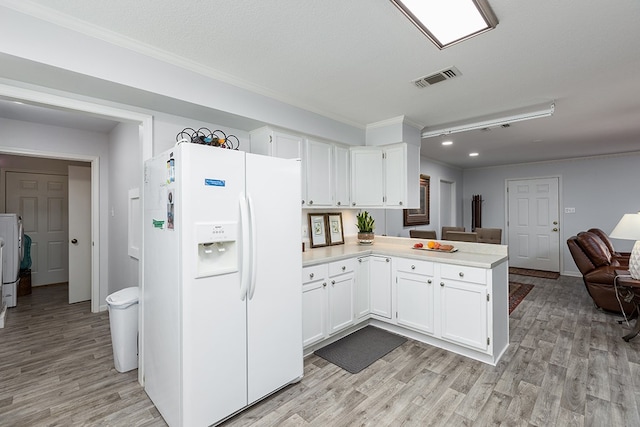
{"x": 317, "y": 230}
{"x": 419, "y": 216}
{"x": 336, "y": 233}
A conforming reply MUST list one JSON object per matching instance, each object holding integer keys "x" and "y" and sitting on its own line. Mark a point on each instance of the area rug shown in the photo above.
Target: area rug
{"x": 360, "y": 349}
{"x": 517, "y": 292}
{"x": 534, "y": 273}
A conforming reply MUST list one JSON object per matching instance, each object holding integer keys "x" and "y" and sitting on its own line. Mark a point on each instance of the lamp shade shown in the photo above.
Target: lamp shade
{"x": 628, "y": 228}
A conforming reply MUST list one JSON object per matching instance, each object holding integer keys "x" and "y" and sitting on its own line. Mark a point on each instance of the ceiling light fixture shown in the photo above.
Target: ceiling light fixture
{"x": 447, "y": 22}
{"x": 447, "y": 142}
{"x": 545, "y": 112}
{"x": 474, "y": 154}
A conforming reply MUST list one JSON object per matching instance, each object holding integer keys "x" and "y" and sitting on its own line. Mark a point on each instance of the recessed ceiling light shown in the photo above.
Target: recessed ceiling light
{"x": 447, "y": 22}
{"x": 473, "y": 154}
{"x": 447, "y": 142}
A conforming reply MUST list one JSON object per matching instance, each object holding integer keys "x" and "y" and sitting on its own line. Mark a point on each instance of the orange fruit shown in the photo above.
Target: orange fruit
{"x": 431, "y": 244}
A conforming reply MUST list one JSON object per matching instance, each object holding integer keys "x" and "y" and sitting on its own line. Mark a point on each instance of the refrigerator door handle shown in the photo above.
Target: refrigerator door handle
{"x": 245, "y": 275}
{"x": 254, "y": 247}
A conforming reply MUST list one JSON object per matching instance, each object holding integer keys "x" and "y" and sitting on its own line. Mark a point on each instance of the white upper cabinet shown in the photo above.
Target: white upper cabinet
{"x": 342, "y": 177}
{"x": 319, "y": 174}
{"x": 367, "y": 176}
{"x": 385, "y": 176}
{"x": 270, "y": 142}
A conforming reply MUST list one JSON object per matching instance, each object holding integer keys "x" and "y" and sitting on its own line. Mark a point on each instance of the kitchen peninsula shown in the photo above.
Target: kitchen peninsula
{"x": 457, "y": 301}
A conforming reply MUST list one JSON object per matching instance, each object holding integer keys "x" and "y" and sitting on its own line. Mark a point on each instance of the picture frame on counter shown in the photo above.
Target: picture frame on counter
{"x": 318, "y": 230}
{"x": 336, "y": 233}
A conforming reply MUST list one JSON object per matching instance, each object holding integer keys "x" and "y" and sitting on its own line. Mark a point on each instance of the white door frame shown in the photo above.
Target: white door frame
{"x": 145, "y": 123}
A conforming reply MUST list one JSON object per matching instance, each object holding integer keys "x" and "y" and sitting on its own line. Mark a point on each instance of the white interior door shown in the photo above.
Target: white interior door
{"x": 533, "y": 228}
{"x": 80, "y": 245}
{"x": 41, "y": 201}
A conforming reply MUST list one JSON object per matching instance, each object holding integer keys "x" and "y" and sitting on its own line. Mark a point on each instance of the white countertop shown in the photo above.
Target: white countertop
{"x": 470, "y": 254}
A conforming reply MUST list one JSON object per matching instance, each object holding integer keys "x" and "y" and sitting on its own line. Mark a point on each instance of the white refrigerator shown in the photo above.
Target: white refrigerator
{"x": 11, "y": 233}
{"x": 221, "y": 305}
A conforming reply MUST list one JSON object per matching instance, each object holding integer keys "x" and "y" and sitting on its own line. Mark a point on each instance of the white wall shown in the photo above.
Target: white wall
{"x": 600, "y": 189}
{"x": 125, "y": 174}
{"x": 58, "y": 142}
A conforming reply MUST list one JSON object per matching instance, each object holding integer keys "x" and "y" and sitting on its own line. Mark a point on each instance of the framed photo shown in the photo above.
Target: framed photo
{"x": 419, "y": 216}
{"x": 334, "y": 222}
{"x": 318, "y": 230}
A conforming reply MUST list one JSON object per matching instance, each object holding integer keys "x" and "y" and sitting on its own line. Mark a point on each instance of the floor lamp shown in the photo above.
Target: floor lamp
{"x": 629, "y": 229}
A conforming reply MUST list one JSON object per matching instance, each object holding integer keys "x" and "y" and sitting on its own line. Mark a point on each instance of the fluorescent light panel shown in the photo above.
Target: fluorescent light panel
{"x": 447, "y": 22}
{"x": 490, "y": 123}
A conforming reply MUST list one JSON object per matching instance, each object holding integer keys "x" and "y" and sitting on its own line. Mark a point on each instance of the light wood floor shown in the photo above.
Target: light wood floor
{"x": 566, "y": 365}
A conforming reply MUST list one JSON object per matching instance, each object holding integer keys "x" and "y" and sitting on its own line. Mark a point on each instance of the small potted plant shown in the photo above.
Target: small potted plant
{"x": 365, "y": 228}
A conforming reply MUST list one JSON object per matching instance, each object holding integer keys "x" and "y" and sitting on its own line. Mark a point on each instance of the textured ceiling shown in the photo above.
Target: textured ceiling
{"x": 355, "y": 60}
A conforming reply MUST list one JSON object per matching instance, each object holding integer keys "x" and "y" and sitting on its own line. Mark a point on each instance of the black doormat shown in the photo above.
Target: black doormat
{"x": 360, "y": 349}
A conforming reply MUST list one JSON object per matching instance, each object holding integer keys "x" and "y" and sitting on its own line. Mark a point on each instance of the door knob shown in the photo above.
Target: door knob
{"x": 74, "y": 241}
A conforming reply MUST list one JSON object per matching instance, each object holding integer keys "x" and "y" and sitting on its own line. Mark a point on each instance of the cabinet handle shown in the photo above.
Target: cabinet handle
{"x": 359, "y": 259}
{"x": 311, "y": 275}
{"x": 339, "y": 203}
{"x": 310, "y": 202}
{"x": 413, "y": 267}
{"x": 353, "y": 204}
{"x": 344, "y": 268}
{"x": 303, "y": 202}
{"x": 333, "y": 282}
{"x": 429, "y": 281}
{"x": 388, "y": 259}
{"x": 461, "y": 274}
{"x": 400, "y": 203}
{"x": 324, "y": 285}
{"x": 442, "y": 284}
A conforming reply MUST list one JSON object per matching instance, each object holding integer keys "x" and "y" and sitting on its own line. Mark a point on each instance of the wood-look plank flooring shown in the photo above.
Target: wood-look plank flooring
{"x": 567, "y": 365}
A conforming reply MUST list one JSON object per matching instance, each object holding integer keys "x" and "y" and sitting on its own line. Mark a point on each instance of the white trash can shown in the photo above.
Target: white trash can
{"x": 123, "y": 319}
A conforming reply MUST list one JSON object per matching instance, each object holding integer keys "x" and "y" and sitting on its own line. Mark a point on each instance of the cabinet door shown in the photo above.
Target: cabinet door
{"x": 380, "y": 286}
{"x": 395, "y": 173}
{"x": 414, "y": 301}
{"x": 367, "y": 176}
{"x": 319, "y": 173}
{"x": 361, "y": 302}
{"x": 342, "y": 178}
{"x": 288, "y": 146}
{"x": 464, "y": 313}
{"x": 340, "y": 302}
{"x": 314, "y": 312}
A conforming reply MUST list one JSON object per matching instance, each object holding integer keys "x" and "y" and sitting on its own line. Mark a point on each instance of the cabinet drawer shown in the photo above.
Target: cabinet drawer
{"x": 342, "y": 266}
{"x": 463, "y": 274}
{"x": 414, "y": 266}
{"x": 313, "y": 273}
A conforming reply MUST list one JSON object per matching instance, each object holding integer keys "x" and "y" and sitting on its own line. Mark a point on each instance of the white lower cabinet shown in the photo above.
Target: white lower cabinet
{"x": 463, "y": 306}
{"x": 415, "y": 294}
{"x": 361, "y": 303}
{"x": 445, "y": 305}
{"x": 314, "y": 304}
{"x": 327, "y": 299}
{"x": 341, "y": 286}
{"x": 380, "y": 285}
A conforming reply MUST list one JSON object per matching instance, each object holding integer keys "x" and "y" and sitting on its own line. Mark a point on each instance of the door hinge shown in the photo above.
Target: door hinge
{"x": 384, "y": 155}
{"x": 488, "y": 340}
{"x": 396, "y": 279}
{"x": 487, "y": 297}
{"x": 396, "y": 314}
{"x": 384, "y": 199}
{"x": 270, "y": 138}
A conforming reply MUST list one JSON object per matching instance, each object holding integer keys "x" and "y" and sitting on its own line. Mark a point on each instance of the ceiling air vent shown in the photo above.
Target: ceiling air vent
{"x": 440, "y": 76}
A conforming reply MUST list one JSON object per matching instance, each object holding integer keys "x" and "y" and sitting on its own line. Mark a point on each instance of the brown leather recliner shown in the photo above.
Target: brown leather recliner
{"x": 598, "y": 267}
{"x": 621, "y": 257}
